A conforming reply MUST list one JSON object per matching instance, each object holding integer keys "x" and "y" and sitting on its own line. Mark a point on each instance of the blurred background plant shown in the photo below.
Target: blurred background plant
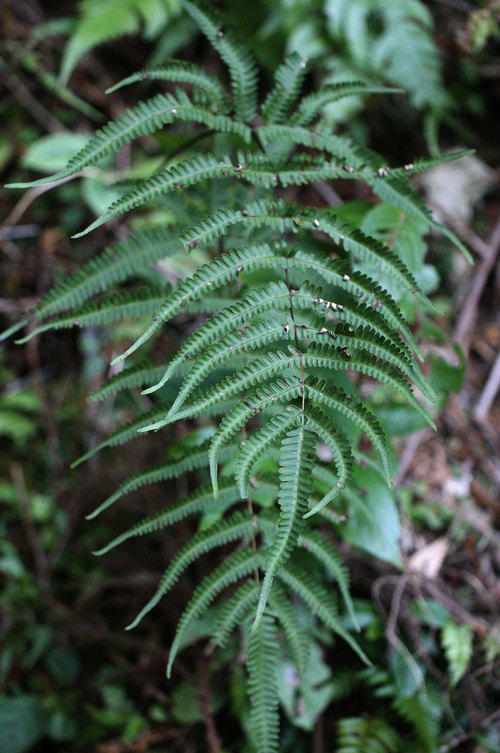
{"x": 426, "y": 585}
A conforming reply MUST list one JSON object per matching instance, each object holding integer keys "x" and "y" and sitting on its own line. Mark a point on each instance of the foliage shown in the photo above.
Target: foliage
{"x": 272, "y": 360}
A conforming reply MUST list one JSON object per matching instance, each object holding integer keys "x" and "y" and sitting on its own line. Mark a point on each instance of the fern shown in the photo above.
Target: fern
{"x": 285, "y": 321}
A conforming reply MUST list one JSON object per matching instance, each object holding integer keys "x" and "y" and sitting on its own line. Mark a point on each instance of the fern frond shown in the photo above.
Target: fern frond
{"x": 369, "y": 366}
{"x": 111, "y": 308}
{"x": 399, "y": 193}
{"x": 262, "y": 667}
{"x": 320, "y": 547}
{"x": 353, "y": 409}
{"x": 281, "y": 391}
{"x": 256, "y": 335}
{"x": 234, "y": 611}
{"x": 294, "y": 631}
{"x": 366, "y": 735}
{"x": 198, "y": 501}
{"x": 345, "y": 336}
{"x": 339, "y": 446}
{"x": 298, "y": 453}
{"x": 319, "y": 601}
{"x": 259, "y": 441}
{"x": 117, "y": 264}
{"x": 149, "y": 116}
{"x": 312, "y": 106}
{"x": 190, "y": 171}
{"x": 234, "y": 568}
{"x": 287, "y": 83}
{"x": 212, "y": 275}
{"x": 134, "y": 376}
{"x": 237, "y": 526}
{"x": 241, "y": 65}
{"x": 185, "y": 72}
{"x": 271, "y": 297}
{"x": 192, "y": 460}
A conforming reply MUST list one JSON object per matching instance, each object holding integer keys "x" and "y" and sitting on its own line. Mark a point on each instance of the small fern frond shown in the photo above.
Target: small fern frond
{"x": 399, "y": 193}
{"x": 212, "y": 275}
{"x": 237, "y": 526}
{"x": 287, "y": 617}
{"x": 190, "y": 171}
{"x": 149, "y": 116}
{"x": 235, "y": 610}
{"x": 366, "y": 735}
{"x": 241, "y": 65}
{"x": 254, "y": 336}
{"x": 319, "y": 546}
{"x": 183, "y": 72}
{"x": 319, "y": 601}
{"x": 339, "y": 446}
{"x": 297, "y": 456}
{"x": 288, "y": 81}
{"x": 134, "y": 376}
{"x": 352, "y": 408}
{"x": 259, "y": 441}
{"x": 363, "y": 363}
{"x": 312, "y": 106}
{"x": 117, "y": 264}
{"x": 199, "y": 501}
{"x": 111, "y": 308}
{"x": 281, "y": 391}
{"x": 234, "y": 568}
{"x": 271, "y": 297}
{"x": 192, "y": 460}
{"x": 262, "y": 667}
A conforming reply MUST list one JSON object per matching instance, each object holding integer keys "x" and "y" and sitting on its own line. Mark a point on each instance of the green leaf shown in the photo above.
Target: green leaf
{"x": 457, "y": 644}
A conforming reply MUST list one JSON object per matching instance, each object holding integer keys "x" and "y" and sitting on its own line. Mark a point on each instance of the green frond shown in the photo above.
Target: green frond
{"x": 291, "y": 136}
{"x": 149, "y": 116}
{"x": 273, "y": 296}
{"x": 233, "y": 568}
{"x": 363, "y": 363}
{"x": 134, "y": 376}
{"x": 237, "y": 526}
{"x": 427, "y": 163}
{"x": 187, "y": 173}
{"x": 117, "y": 264}
{"x": 183, "y": 72}
{"x": 241, "y": 65}
{"x": 192, "y": 459}
{"x": 287, "y": 83}
{"x": 298, "y": 170}
{"x": 281, "y": 391}
{"x": 124, "y": 433}
{"x": 355, "y": 410}
{"x": 111, "y": 308}
{"x": 262, "y": 666}
{"x": 319, "y": 601}
{"x": 399, "y": 192}
{"x": 312, "y": 106}
{"x": 294, "y": 632}
{"x": 212, "y": 275}
{"x": 256, "y": 335}
{"x": 345, "y": 336}
{"x": 235, "y": 610}
{"x": 262, "y": 368}
{"x": 366, "y": 735}
{"x": 196, "y": 502}
{"x": 259, "y": 441}
{"x": 339, "y": 446}
{"x": 320, "y": 547}
{"x": 297, "y": 459}
{"x": 423, "y": 713}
